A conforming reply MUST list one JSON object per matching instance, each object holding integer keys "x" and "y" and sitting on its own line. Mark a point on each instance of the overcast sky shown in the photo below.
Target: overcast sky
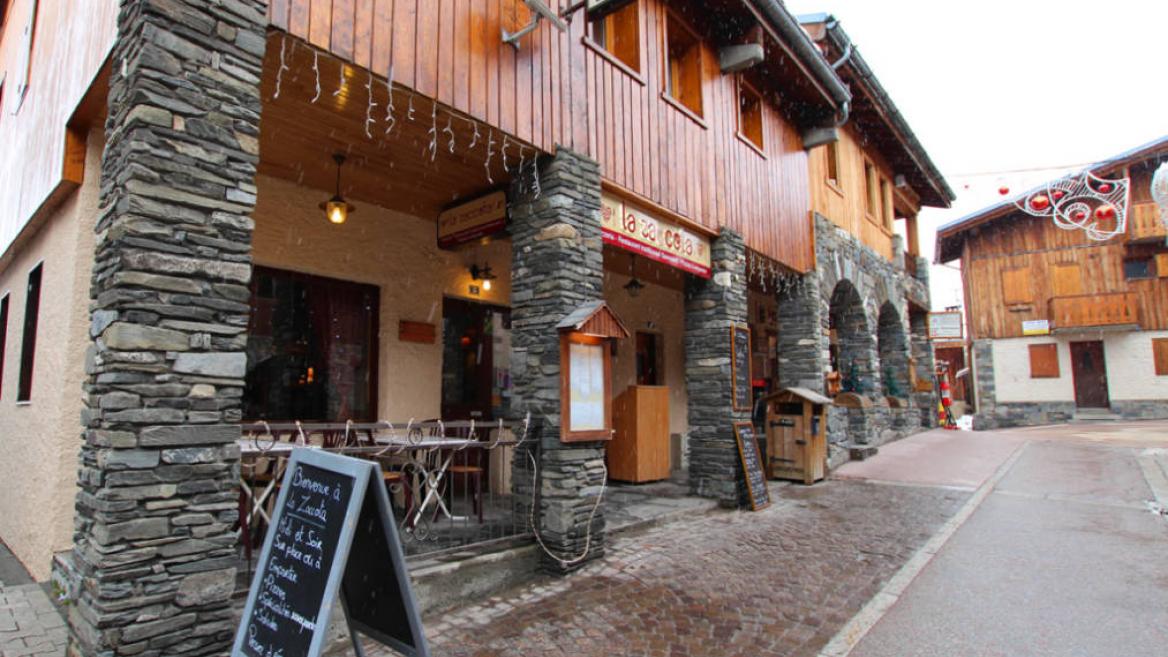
{"x": 997, "y": 85}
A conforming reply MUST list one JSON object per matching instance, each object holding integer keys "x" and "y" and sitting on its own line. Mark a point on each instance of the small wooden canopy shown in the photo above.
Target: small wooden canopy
{"x": 789, "y": 395}
{"x": 594, "y": 319}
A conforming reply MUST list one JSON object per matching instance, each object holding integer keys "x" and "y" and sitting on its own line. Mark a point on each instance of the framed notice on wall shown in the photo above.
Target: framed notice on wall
{"x": 740, "y": 368}
{"x": 945, "y": 326}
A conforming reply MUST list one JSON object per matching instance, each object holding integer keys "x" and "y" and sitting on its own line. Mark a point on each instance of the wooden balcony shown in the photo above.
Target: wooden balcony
{"x": 1094, "y": 310}
{"x": 1145, "y": 223}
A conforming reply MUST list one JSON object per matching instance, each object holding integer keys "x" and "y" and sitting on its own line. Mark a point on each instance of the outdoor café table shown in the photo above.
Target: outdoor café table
{"x": 428, "y": 474}
{"x": 251, "y": 449}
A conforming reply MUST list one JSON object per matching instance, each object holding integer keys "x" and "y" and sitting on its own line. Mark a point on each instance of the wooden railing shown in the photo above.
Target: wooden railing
{"x": 1145, "y": 222}
{"x": 1089, "y": 310}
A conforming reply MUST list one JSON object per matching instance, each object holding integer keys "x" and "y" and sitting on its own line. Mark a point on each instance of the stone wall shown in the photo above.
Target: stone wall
{"x": 800, "y": 340}
{"x": 154, "y": 546}
{"x": 712, "y": 307}
{"x": 557, "y": 265}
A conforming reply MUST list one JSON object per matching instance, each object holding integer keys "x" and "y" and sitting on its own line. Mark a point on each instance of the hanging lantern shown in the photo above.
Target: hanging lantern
{"x": 337, "y": 209}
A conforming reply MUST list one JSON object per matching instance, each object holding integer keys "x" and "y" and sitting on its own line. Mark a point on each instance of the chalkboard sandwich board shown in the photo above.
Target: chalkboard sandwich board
{"x": 756, "y": 485}
{"x": 740, "y": 373}
{"x": 332, "y": 533}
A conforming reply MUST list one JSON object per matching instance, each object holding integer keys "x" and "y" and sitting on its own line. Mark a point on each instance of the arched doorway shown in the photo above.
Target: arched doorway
{"x": 894, "y": 352}
{"x": 852, "y": 344}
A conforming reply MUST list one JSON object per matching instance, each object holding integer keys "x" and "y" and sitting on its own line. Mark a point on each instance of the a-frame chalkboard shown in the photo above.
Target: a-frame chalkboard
{"x": 332, "y": 533}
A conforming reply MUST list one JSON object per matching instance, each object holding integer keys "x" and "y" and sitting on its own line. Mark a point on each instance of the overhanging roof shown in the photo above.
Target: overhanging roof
{"x": 951, "y": 235}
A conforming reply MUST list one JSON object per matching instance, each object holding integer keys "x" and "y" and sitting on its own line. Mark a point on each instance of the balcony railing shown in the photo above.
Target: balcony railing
{"x": 1094, "y": 310}
{"x": 1145, "y": 222}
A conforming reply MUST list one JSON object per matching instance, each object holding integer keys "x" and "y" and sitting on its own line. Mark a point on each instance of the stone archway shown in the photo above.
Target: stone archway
{"x": 853, "y": 346}
{"x": 894, "y": 352}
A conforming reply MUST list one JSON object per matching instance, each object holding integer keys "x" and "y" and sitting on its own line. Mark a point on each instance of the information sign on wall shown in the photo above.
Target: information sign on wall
{"x": 633, "y": 229}
{"x": 945, "y": 326}
{"x": 1036, "y": 327}
{"x": 472, "y": 220}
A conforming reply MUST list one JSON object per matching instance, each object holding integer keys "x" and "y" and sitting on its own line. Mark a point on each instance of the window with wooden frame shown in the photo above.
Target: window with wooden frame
{"x": 1016, "y": 287}
{"x": 871, "y": 189}
{"x": 3, "y": 338}
{"x": 683, "y": 79}
{"x": 1139, "y": 267}
{"x": 749, "y": 114}
{"x": 832, "y": 157}
{"x": 618, "y": 33}
{"x": 32, "y": 305}
{"x": 1044, "y": 361}
{"x": 1066, "y": 279}
{"x": 1160, "y": 355}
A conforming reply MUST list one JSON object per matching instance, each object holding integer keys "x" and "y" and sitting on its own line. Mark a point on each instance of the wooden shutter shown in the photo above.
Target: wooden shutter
{"x": 1066, "y": 279}
{"x": 1016, "y": 286}
{"x": 1044, "y": 361}
{"x": 1160, "y": 354}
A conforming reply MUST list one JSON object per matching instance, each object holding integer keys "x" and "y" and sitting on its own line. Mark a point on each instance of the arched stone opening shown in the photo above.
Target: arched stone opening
{"x": 852, "y": 346}
{"x": 894, "y": 352}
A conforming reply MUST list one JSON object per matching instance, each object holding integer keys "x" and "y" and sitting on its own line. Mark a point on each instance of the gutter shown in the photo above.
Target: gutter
{"x": 793, "y": 36}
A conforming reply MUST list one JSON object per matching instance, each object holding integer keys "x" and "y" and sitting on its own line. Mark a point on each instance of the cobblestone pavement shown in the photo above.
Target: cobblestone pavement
{"x": 29, "y": 624}
{"x": 777, "y": 582}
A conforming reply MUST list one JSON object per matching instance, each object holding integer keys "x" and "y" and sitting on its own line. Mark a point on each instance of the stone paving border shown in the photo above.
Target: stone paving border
{"x": 850, "y": 635}
{"x": 30, "y": 625}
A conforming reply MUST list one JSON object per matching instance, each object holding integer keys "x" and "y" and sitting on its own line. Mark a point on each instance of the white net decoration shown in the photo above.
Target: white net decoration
{"x": 1160, "y": 191}
{"x": 1097, "y": 206}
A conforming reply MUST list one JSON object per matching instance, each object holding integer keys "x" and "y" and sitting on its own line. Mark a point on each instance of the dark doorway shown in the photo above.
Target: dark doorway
{"x": 650, "y": 359}
{"x": 311, "y": 348}
{"x": 476, "y": 360}
{"x": 1090, "y": 374}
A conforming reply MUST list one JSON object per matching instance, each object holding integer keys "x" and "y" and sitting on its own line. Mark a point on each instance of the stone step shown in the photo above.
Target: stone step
{"x": 1095, "y": 415}
{"x": 861, "y": 452}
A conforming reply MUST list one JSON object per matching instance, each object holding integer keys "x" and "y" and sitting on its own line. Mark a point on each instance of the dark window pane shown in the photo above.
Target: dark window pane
{"x": 1141, "y": 268}
{"x": 32, "y": 305}
{"x": 3, "y": 337}
{"x": 312, "y": 348}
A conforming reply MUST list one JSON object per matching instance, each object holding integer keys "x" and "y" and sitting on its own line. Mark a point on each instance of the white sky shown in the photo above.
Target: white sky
{"x": 997, "y": 85}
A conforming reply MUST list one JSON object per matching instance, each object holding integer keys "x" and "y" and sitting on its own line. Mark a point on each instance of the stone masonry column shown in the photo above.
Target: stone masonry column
{"x": 557, "y": 265}
{"x": 712, "y": 307}
{"x": 154, "y": 545}
{"x": 922, "y": 351}
{"x": 801, "y": 337}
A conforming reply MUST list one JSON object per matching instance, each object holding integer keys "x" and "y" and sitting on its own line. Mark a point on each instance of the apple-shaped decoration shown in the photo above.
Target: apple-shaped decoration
{"x": 1079, "y": 215}
{"x": 1058, "y": 194}
{"x": 1003, "y": 190}
{"x": 1104, "y": 188}
{"x": 1105, "y": 212}
{"x": 1040, "y": 202}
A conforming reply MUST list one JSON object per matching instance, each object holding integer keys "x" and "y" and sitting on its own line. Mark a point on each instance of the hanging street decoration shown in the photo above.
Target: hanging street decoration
{"x": 1160, "y": 191}
{"x": 1083, "y": 201}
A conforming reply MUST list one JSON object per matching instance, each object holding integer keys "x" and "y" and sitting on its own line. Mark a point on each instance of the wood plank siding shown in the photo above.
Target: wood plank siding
{"x": 559, "y": 89}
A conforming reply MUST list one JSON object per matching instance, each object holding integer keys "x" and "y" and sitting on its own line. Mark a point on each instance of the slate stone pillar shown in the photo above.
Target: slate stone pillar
{"x": 712, "y": 307}
{"x": 922, "y": 351}
{"x": 801, "y": 337}
{"x": 154, "y": 544}
{"x": 557, "y": 265}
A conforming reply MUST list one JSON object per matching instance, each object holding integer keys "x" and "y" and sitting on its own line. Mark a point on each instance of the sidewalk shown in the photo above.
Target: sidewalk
{"x": 29, "y": 623}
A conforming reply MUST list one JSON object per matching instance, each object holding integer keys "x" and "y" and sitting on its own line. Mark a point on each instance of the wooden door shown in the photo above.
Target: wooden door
{"x": 1090, "y": 374}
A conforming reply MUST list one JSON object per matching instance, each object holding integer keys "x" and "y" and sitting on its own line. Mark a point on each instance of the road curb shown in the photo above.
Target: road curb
{"x": 850, "y": 635}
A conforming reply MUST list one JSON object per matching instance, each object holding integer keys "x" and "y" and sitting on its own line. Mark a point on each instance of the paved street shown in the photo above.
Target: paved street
{"x": 29, "y": 624}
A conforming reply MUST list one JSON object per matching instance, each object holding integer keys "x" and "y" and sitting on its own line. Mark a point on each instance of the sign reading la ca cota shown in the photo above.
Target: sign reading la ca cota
{"x": 633, "y": 229}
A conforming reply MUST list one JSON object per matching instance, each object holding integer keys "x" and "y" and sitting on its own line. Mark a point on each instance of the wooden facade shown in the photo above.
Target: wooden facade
{"x": 1018, "y": 268}
{"x": 44, "y": 119}
{"x": 561, "y": 89}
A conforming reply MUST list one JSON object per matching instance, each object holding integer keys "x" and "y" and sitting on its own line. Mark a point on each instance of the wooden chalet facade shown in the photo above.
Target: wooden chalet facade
{"x": 167, "y": 251}
{"x": 1061, "y": 326}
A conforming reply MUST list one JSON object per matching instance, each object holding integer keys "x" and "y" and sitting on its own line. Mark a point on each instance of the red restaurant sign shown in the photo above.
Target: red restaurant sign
{"x": 472, "y": 220}
{"x": 633, "y": 229}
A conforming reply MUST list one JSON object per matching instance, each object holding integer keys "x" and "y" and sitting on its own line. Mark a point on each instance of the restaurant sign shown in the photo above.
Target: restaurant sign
{"x": 633, "y": 229}
{"x": 472, "y": 220}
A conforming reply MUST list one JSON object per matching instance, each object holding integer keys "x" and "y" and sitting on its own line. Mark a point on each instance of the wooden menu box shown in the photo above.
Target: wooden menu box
{"x": 796, "y": 431}
{"x": 639, "y": 450}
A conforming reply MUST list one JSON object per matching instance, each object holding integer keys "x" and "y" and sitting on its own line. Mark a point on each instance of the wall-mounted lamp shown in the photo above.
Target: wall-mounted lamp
{"x": 634, "y": 286}
{"x": 484, "y": 274}
{"x": 337, "y": 209}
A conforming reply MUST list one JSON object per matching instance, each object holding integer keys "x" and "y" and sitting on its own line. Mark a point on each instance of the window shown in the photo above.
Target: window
{"x": 311, "y": 348}
{"x": 870, "y": 189}
{"x": 619, "y": 34}
{"x": 1160, "y": 355}
{"x": 749, "y": 114}
{"x": 1044, "y": 361}
{"x": 32, "y": 305}
{"x": 1138, "y": 268}
{"x": 833, "y": 163}
{"x": 26, "y": 70}
{"x": 650, "y": 359}
{"x": 683, "y": 80}
{"x": 1066, "y": 279}
{"x": 3, "y": 338}
{"x": 1016, "y": 288}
